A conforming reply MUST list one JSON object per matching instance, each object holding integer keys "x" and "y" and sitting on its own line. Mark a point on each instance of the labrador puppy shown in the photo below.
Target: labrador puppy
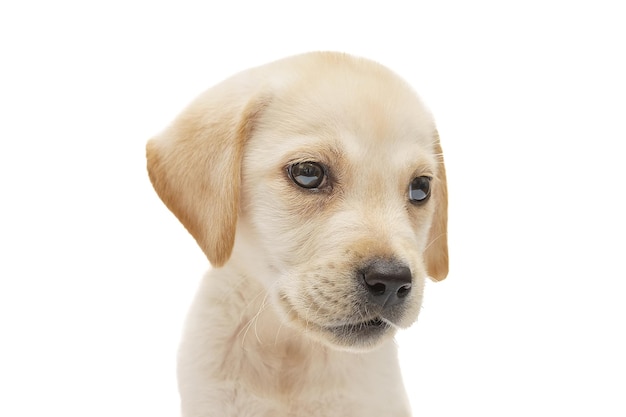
{"x": 315, "y": 186}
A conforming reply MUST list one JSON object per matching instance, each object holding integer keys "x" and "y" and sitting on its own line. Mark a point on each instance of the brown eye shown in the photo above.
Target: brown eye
{"x": 307, "y": 175}
{"x": 419, "y": 190}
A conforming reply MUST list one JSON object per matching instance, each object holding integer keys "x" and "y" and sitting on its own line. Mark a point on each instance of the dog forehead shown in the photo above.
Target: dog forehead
{"x": 361, "y": 97}
{"x": 350, "y": 105}
{"x": 323, "y": 90}
{"x": 364, "y": 126}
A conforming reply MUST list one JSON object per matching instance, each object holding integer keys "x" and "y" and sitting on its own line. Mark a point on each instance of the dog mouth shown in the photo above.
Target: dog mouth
{"x": 374, "y": 323}
{"x": 360, "y": 334}
{"x": 354, "y": 331}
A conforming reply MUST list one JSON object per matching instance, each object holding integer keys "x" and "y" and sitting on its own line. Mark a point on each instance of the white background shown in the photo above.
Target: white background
{"x": 96, "y": 275}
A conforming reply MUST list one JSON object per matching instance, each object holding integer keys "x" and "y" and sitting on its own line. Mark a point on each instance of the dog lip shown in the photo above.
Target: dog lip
{"x": 365, "y": 328}
{"x": 347, "y": 333}
{"x": 364, "y": 334}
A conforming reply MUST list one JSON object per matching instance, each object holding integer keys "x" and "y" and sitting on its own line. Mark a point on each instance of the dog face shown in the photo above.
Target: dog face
{"x": 322, "y": 177}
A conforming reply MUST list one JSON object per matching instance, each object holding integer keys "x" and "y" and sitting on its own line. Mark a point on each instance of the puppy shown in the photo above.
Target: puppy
{"x": 315, "y": 186}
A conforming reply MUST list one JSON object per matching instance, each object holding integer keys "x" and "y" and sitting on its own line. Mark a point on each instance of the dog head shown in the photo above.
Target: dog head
{"x": 321, "y": 176}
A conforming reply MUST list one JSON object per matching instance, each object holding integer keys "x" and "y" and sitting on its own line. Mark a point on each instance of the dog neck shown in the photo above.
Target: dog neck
{"x": 239, "y": 339}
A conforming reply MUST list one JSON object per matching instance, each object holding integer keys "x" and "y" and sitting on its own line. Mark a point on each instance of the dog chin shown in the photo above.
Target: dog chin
{"x": 361, "y": 336}
{"x": 356, "y": 337}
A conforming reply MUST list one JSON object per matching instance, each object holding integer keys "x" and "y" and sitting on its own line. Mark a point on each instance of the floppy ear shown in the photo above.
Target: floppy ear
{"x": 195, "y": 166}
{"x": 436, "y": 255}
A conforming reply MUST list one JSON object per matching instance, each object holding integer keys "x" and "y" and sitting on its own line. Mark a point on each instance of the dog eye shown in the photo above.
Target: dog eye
{"x": 307, "y": 175}
{"x": 419, "y": 190}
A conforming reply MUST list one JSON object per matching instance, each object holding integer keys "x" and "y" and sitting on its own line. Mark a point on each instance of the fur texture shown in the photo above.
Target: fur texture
{"x": 309, "y": 283}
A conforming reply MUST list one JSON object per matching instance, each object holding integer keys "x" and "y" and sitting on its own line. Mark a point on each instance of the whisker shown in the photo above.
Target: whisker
{"x": 254, "y": 319}
{"x": 439, "y": 236}
{"x": 258, "y": 314}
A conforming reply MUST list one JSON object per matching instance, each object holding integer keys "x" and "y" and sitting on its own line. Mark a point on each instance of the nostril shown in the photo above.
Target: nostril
{"x": 404, "y": 290}
{"x": 377, "y": 289}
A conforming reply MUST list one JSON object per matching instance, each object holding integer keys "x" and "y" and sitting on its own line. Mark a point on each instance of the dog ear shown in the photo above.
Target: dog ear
{"x": 195, "y": 166}
{"x": 436, "y": 254}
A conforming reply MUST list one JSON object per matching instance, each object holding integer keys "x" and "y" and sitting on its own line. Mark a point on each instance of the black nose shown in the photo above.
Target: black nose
{"x": 387, "y": 281}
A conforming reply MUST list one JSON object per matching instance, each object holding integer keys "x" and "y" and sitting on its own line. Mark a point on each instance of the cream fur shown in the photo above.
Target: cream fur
{"x": 261, "y": 337}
